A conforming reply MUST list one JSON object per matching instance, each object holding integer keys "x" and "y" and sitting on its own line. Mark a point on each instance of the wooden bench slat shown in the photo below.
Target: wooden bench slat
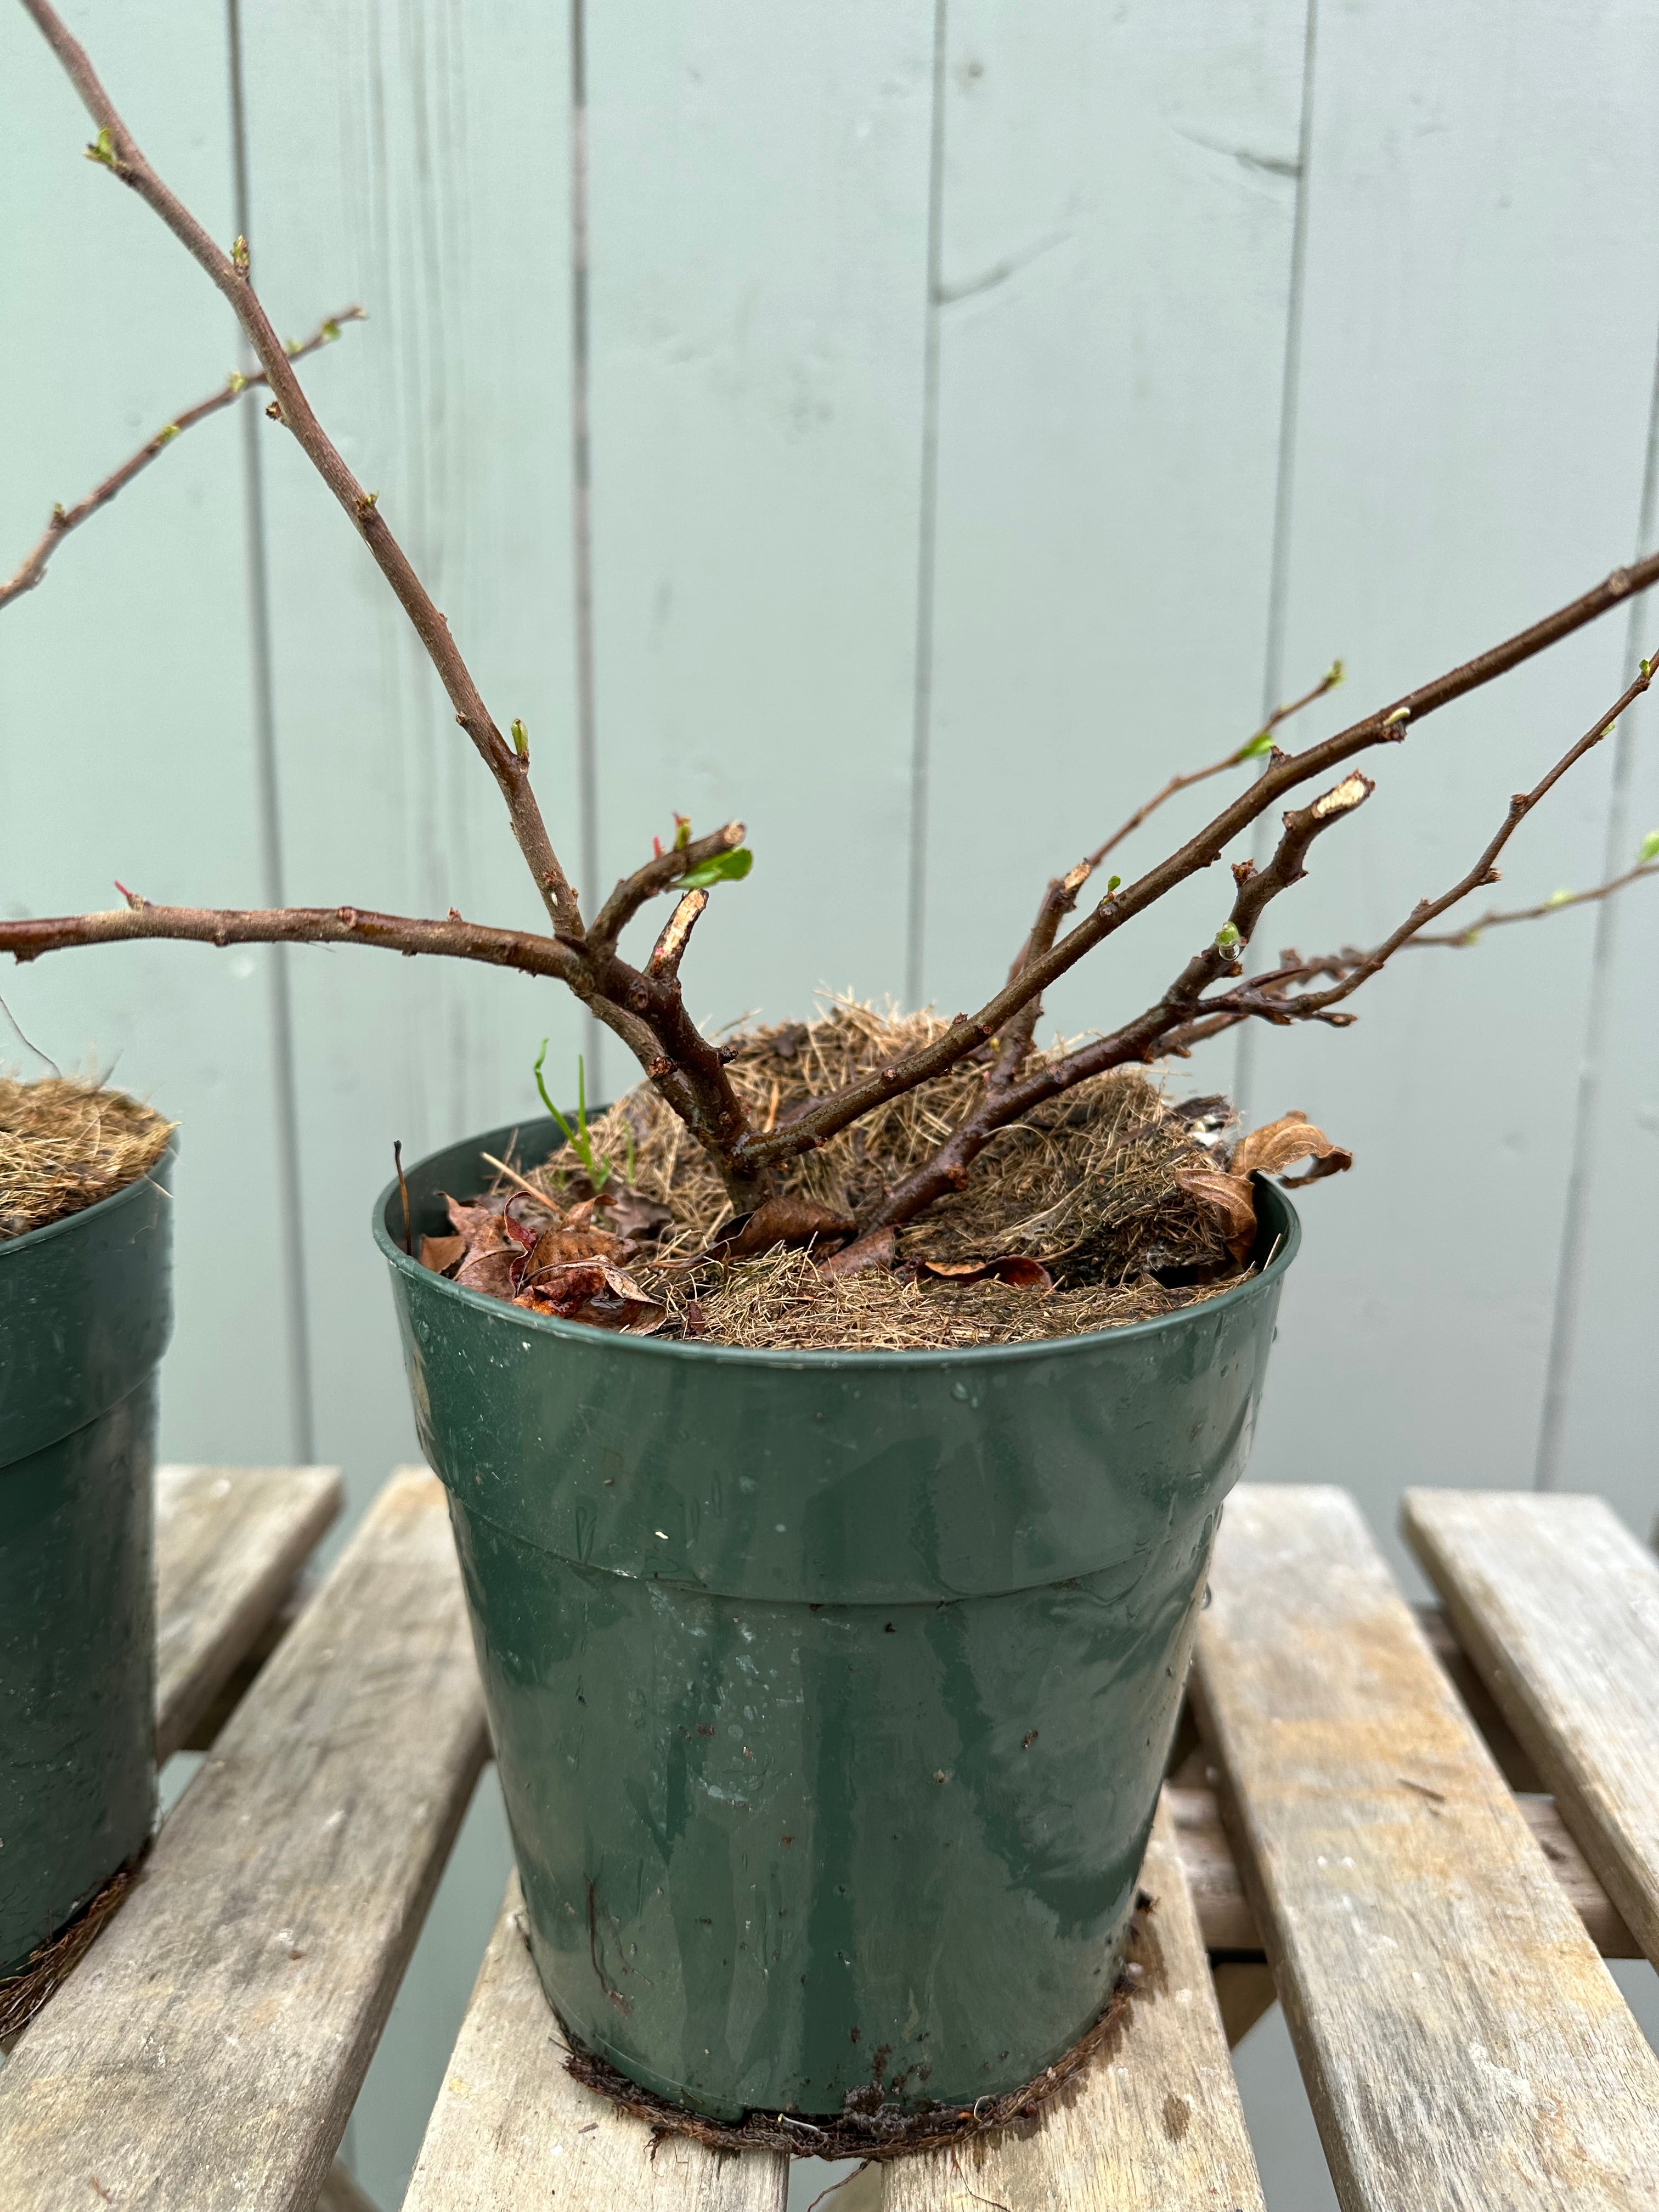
{"x": 511, "y": 2130}
{"x": 1226, "y": 1919}
{"x": 1462, "y": 2043}
{"x": 229, "y": 1542}
{"x": 207, "y": 2052}
{"x": 1558, "y": 1606}
{"x": 1153, "y": 2125}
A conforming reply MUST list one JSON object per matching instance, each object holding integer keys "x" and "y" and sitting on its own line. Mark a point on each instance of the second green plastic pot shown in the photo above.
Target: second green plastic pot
{"x": 85, "y": 1314}
{"x": 830, "y": 1692}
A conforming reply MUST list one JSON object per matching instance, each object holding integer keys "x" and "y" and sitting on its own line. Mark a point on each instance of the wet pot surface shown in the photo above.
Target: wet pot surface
{"x": 85, "y": 1313}
{"x": 830, "y": 1692}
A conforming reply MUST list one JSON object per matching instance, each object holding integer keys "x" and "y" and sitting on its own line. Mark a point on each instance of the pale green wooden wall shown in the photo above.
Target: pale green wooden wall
{"x": 991, "y": 406}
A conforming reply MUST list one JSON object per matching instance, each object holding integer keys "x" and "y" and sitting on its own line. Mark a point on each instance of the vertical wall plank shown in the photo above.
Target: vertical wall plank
{"x": 1592, "y": 1437}
{"x": 124, "y": 678}
{"x": 1119, "y": 204}
{"x": 758, "y": 227}
{"x": 412, "y": 158}
{"x": 1477, "y": 360}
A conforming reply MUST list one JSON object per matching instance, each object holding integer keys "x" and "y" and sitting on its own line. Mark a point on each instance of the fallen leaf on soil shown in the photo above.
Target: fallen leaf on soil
{"x": 781, "y": 1221}
{"x": 593, "y": 1291}
{"x": 632, "y": 1219}
{"x": 557, "y": 1247}
{"x": 875, "y": 1250}
{"x": 1017, "y": 1269}
{"x": 441, "y": 1253}
{"x": 1267, "y": 1150}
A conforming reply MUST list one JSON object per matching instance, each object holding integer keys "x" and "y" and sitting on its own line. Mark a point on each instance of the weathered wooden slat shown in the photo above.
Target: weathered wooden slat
{"x": 1462, "y": 2043}
{"x": 1227, "y": 1921}
{"x": 228, "y": 1543}
{"x": 1152, "y": 2126}
{"x": 511, "y": 2130}
{"x": 1558, "y": 1606}
{"x": 206, "y": 2053}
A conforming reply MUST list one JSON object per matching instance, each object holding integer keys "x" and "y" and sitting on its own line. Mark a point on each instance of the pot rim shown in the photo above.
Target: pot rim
{"x": 152, "y": 1178}
{"x": 1287, "y": 1243}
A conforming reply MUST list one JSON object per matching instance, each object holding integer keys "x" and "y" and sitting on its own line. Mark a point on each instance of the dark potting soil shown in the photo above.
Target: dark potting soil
{"x": 872, "y": 2125}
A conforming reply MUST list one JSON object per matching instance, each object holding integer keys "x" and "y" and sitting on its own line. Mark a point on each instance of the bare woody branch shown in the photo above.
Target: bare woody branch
{"x": 119, "y": 152}
{"x": 1284, "y": 772}
{"x": 1061, "y": 896}
{"x": 659, "y": 874}
{"x": 66, "y": 519}
{"x": 1253, "y": 748}
{"x": 1140, "y": 1039}
{"x": 1560, "y": 902}
{"x": 31, "y": 938}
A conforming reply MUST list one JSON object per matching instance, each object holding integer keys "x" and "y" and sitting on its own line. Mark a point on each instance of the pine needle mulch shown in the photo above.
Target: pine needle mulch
{"x": 1087, "y": 1186}
{"x": 65, "y": 1144}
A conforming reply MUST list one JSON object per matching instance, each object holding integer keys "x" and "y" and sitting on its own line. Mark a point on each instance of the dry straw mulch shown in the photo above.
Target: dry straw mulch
{"x": 1088, "y": 1186}
{"x": 66, "y": 1144}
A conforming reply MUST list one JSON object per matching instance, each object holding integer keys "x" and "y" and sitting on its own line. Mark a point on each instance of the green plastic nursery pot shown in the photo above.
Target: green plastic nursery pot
{"x": 830, "y": 1692}
{"x": 85, "y": 1314}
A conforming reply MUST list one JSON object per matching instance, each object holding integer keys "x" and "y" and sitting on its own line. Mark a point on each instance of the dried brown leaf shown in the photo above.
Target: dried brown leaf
{"x": 783, "y": 1221}
{"x": 1281, "y": 1144}
{"x": 441, "y": 1253}
{"x": 1017, "y": 1269}
{"x": 1231, "y": 1197}
{"x": 875, "y": 1250}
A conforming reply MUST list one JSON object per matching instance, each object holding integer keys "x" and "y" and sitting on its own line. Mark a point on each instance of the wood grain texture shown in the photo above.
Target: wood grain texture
{"x": 1558, "y": 1606}
{"x": 229, "y": 1542}
{"x": 1462, "y": 2043}
{"x": 511, "y": 2130}
{"x": 1226, "y": 1918}
{"x": 1491, "y": 190}
{"x": 207, "y": 2052}
{"x": 1151, "y": 2125}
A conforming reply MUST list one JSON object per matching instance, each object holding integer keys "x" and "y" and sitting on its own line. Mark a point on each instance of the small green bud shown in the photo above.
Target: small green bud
{"x": 1227, "y": 939}
{"x": 1559, "y": 898}
{"x": 1112, "y": 883}
{"x": 239, "y": 256}
{"x": 520, "y": 740}
{"x": 1650, "y": 850}
{"x": 1334, "y": 674}
{"x": 165, "y": 435}
{"x": 290, "y": 346}
{"x": 330, "y": 330}
{"x": 1647, "y": 668}
{"x": 236, "y": 380}
{"x": 1261, "y": 742}
{"x": 102, "y": 149}
{"x": 1400, "y": 714}
{"x": 1609, "y": 730}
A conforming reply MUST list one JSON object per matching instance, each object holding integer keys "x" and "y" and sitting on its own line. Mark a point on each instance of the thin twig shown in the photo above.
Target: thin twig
{"x": 661, "y": 873}
{"x": 65, "y": 518}
{"x": 1559, "y": 904}
{"x": 117, "y": 149}
{"x": 1284, "y": 772}
{"x": 1252, "y": 749}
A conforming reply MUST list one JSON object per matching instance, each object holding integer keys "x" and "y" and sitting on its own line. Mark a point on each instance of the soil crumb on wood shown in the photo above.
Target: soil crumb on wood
{"x": 64, "y": 1145}
{"x": 1075, "y": 1219}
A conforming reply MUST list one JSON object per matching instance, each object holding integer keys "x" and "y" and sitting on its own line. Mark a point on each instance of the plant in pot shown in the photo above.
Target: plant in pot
{"x": 836, "y": 1428}
{"x": 85, "y": 1313}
